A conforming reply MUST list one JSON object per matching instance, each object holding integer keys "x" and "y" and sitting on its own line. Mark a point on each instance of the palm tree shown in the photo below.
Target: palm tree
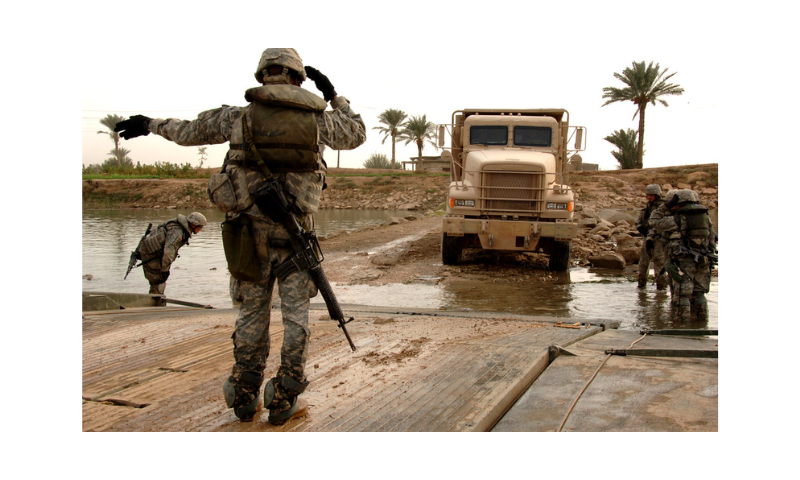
{"x": 627, "y": 147}
{"x": 419, "y": 130}
{"x": 392, "y": 119}
{"x": 110, "y": 121}
{"x": 643, "y": 85}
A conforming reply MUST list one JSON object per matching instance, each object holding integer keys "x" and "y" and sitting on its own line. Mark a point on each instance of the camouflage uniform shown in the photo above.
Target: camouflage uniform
{"x": 689, "y": 268}
{"x": 659, "y": 256}
{"x": 161, "y": 249}
{"x": 340, "y": 129}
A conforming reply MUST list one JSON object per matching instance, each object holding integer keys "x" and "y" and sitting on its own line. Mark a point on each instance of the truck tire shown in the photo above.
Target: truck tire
{"x": 559, "y": 256}
{"x": 452, "y": 248}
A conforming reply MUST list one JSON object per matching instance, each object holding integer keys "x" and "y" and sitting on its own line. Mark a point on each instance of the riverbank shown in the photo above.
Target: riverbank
{"x": 606, "y": 202}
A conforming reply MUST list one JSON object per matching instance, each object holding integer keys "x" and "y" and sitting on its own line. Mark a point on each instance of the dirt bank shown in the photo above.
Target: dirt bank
{"x": 409, "y": 249}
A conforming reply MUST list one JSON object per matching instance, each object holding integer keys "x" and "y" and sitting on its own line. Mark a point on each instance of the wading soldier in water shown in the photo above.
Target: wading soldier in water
{"x": 651, "y": 251}
{"x": 289, "y": 127}
{"x": 160, "y": 248}
{"x": 692, "y": 250}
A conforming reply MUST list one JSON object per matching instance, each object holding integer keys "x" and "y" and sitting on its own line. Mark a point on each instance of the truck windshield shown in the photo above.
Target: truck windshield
{"x": 488, "y": 135}
{"x": 533, "y": 136}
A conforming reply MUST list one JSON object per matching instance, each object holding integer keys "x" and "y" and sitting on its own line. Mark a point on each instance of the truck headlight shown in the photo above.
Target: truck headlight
{"x": 559, "y": 206}
{"x": 461, "y": 203}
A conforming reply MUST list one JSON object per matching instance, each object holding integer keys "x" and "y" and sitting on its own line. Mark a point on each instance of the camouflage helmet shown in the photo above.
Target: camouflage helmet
{"x": 197, "y": 219}
{"x": 285, "y": 57}
{"x": 670, "y": 195}
{"x": 686, "y": 195}
{"x": 652, "y": 189}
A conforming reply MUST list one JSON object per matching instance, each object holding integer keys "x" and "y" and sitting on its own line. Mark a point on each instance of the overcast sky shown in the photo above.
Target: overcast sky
{"x": 428, "y": 59}
{"x": 68, "y": 64}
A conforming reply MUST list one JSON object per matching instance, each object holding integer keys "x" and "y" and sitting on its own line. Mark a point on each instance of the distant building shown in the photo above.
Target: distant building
{"x": 576, "y": 163}
{"x": 428, "y": 164}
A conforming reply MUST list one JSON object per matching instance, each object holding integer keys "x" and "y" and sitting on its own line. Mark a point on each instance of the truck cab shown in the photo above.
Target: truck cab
{"x": 507, "y": 189}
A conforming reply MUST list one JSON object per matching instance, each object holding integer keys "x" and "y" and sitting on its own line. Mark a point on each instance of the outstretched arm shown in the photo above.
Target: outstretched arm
{"x": 209, "y": 128}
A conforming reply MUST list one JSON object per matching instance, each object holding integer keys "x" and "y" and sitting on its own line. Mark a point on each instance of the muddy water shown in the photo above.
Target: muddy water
{"x": 201, "y": 276}
{"x": 200, "y": 273}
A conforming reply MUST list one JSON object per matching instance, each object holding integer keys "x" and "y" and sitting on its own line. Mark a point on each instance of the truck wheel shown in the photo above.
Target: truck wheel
{"x": 452, "y": 248}
{"x": 559, "y": 256}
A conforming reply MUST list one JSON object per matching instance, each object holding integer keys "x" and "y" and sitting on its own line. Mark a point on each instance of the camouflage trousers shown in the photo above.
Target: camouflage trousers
{"x": 688, "y": 291}
{"x": 152, "y": 272}
{"x": 658, "y": 259}
{"x": 251, "y": 342}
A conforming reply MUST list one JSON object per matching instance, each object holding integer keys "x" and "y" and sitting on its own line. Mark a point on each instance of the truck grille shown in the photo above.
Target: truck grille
{"x": 517, "y": 192}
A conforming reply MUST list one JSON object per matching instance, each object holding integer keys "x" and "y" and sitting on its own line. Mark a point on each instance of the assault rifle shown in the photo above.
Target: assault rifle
{"x": 270, "y": 200}
{"x": 135, "y": 254}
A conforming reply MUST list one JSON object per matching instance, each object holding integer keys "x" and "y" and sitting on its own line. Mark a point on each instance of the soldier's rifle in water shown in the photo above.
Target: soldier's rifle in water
{"x": 135, "y": 253}
{"x": 270, "y": 200}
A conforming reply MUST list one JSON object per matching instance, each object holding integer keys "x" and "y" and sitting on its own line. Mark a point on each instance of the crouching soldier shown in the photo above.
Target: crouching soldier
{"x": 160, "y": 248}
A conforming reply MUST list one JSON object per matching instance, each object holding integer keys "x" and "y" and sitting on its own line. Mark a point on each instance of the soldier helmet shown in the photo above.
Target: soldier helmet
{"x": 196, "y": 218}
{"x": 652, "y": 189}
{"x": 686, "y": 195}
{"x": 285, "y": 57}
{"x": 668, "y": 198}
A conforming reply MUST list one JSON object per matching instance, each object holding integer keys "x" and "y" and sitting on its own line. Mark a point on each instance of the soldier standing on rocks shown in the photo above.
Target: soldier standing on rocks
{"x": 289, "y": 128}
{"x": 160, "y": 248}
{"x": 651, "y": 250}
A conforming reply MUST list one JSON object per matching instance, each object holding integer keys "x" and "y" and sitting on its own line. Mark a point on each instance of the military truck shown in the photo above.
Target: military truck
{"x": 507, "y": 188}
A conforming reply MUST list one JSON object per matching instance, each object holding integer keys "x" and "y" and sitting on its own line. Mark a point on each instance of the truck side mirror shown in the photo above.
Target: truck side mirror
{"x": 578, "y": 138}
{"x": 441, "y": 136}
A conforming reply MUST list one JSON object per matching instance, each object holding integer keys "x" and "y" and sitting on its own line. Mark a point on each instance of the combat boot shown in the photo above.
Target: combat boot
{"x": 702, "y": 312}
{"x": 281, "y": 398}
{"x": 298, "y": 409}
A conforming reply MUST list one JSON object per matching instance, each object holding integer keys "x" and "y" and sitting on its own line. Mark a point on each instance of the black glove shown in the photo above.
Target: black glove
{"x": 642, "y": 229}
{"x": 135, "y": 126}
{"x": 164, "y": 276}
{"x": 649, "y": 246}
{"x": 321, "y": 81}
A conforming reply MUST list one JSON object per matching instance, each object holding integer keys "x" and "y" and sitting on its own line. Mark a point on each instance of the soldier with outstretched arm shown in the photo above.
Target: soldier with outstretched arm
{"x": 279, "y": 136}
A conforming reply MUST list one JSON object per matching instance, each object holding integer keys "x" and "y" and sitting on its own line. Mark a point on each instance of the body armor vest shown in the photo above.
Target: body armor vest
{"x": 153, "y": 245}
{"x": 282, "y": 121}
{"x": 692, "y": 222}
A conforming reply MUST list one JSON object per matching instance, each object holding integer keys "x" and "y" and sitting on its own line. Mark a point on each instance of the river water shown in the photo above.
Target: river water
{"x": 200, "y": 275}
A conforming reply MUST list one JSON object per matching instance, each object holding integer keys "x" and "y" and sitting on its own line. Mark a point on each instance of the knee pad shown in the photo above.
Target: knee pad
{"x": 282, "y": 388}
{"x": 241, "y": 393}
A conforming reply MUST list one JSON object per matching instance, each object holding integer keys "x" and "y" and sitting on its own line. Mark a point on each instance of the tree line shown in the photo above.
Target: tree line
{"x": 396, "y": 125}
{"x": 643, "y": 85}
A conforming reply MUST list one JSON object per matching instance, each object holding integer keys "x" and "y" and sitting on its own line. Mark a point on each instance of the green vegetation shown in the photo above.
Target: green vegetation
{"x": 627, "y": 147}
{"x": 380, "y": 160}
{"x": 108, "y": 170}
{"x": 419, "y": 130}
{"x": 392, "y": 120}
{"x": 643, "y": 85}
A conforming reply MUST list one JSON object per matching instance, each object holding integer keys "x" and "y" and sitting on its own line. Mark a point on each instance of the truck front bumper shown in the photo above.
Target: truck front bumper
{"x": 508, "y": 234}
